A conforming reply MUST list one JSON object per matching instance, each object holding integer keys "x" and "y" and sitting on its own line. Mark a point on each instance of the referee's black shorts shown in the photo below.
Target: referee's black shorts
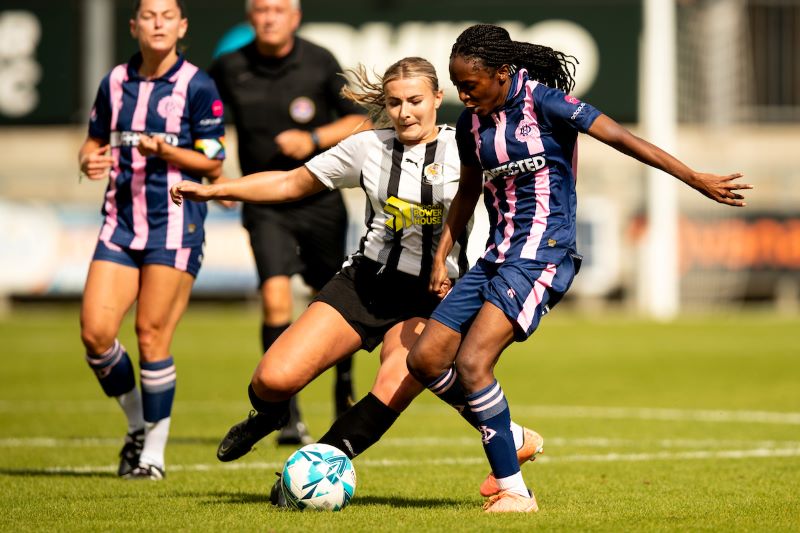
{"x": 372, "y": 301}
{"x": 306, "y": 237}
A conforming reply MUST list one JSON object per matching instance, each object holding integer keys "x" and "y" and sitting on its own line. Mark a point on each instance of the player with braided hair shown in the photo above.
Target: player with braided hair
{"x": 517, "y": 141}
{"x": 409, "y": 172}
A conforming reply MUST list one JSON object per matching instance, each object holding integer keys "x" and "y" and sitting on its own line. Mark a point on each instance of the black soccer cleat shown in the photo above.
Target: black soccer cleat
{"x": 241, "y": 438}
{"x": 294, "y": 433}
{"x": 276, "y": 495}
{"x": 130, "y": 452}
{"x": 151, "y": 472}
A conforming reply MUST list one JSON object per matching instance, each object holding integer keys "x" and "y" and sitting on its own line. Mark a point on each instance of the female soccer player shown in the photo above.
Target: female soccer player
{"x": 409, "y": 173}
{"x": 516, "y": 140}
{"x": 156, "y": 120}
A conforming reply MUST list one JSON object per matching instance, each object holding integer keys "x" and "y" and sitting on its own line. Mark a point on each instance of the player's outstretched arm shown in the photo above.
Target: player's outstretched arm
{"x": 261, "y": 187}
{"x": 722, "y": 189}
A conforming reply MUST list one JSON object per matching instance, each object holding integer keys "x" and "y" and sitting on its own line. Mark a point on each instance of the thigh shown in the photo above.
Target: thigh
{"x": 110, "y": 290}
{"x": 491, "y": 333}
{"x": 273, "y": 240}
{"x": 394, "y": 385}
{"x": 316, "y": 341}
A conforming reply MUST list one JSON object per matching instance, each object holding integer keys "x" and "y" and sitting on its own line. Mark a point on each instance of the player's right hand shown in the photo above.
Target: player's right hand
{"x": 440, "y": 283}
{"x": 96, "y": 165}
{"x": 190, "y": 190}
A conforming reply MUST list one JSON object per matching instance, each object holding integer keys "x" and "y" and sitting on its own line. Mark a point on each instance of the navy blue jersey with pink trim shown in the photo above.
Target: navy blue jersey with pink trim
{"x": 527, "y": 150}
{"x": 183, "y": 107}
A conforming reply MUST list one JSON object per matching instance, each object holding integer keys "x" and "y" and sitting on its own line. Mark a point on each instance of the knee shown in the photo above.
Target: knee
{"x": 472, "y": 371}
{"x": 276, "y": 297}
{"x": 273, "y": 384}
{"x": 148, "y": 335}
{"x": 96, "y": 338}
{"x": 425, "y": 369}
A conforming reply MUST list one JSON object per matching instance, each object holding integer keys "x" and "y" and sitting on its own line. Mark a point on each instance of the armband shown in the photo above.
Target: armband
{"x": 315, "y": 139}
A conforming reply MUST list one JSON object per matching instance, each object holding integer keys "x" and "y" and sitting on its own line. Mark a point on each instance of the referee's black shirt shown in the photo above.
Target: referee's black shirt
{"x": 268, "y": 95}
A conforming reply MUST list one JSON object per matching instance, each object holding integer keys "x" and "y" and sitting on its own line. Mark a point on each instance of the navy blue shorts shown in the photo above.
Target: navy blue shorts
{"x": 524, "y": 290}
{"x": 184, "y": 259}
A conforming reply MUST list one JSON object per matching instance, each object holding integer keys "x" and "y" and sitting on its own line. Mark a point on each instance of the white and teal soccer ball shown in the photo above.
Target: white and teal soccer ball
{"x": 318, "y": 476}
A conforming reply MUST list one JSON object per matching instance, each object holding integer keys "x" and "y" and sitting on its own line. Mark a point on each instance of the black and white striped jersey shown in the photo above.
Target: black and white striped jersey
{"x": 409, "y": 190}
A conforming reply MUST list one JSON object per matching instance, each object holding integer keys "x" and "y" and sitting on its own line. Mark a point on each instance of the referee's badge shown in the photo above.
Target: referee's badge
{"x": 433, "y": 174}
{"x": 302, "y": 109}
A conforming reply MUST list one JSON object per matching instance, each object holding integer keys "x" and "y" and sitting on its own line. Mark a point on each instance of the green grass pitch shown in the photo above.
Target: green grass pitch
{"x": 688, "y": 426}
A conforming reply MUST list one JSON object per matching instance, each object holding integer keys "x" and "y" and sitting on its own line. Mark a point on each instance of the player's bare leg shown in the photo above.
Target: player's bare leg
{"x": 491, "y": 332}
{"x": 163, "y": 298}
{"x": 277, "y": 305}
{"x": 316, "y": 341}
{"x": 110, "y": 291}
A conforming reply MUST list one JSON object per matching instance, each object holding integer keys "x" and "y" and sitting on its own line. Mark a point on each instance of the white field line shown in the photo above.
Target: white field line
{"x": 519, "y": 411}
{"x": 758, "y": 453}
{"x": 427, "y": 442}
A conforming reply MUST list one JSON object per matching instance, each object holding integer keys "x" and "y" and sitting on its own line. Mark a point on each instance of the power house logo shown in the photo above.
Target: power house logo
{"x": 402, "y": 214}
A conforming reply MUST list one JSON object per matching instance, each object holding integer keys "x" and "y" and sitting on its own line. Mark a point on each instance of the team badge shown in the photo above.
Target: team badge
{"x": 433, "y": 174}
{"x": 302, "y": 109}
{"x": 525, "y": 131}
{"x": 487, "y": 433}
{"x": 217, "y": 108}
{"x": 571, "y": 99}
{"x": 167, "y": 106}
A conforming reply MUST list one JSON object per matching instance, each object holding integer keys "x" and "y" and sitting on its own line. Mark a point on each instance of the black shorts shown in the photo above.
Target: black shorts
{"x": 373, "y": 302}
{"x": 306, "y": 237}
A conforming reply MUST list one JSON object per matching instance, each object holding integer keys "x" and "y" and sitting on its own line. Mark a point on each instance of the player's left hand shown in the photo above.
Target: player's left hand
{"x": 296, "y": 144}
{"x": 151, "y": 145}
{"x": 721, "y": 189}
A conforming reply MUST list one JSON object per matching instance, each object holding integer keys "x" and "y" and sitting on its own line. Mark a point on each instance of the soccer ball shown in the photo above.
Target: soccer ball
{"x": 318, "y": 476}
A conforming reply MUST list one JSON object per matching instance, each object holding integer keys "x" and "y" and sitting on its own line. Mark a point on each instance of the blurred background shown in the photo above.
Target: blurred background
{"x": 731, "y": 71}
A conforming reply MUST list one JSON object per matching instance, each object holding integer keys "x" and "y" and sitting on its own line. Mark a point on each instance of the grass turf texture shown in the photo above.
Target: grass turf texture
{"x": 689, "y": 426}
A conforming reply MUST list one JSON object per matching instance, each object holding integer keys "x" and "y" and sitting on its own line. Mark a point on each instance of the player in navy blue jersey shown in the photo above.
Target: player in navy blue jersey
{"x": 517, "y": 142}
{"x": 410, "y": 174}
{"x": 156, "y": 121}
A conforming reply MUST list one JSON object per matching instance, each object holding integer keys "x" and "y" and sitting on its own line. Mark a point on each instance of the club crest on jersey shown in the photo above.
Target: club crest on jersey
{"x": 302, "y": 109}
{"x": 525, "y": 131}
{"x": 432, "y": 174}
{"x": 168, "y": 106}
{"x": 486, "y": 434}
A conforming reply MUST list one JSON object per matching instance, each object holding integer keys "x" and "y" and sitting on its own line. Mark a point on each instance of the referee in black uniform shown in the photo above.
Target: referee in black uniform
{"x": 283, "y": 94}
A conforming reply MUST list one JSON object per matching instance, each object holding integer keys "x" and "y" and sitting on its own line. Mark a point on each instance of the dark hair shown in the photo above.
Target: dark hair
{"x": 181, "y": 7}
{"x": 492, "y": 45}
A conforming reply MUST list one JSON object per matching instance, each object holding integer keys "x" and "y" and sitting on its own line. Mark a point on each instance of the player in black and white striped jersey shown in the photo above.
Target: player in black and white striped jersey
{"x": 410, "y": 174}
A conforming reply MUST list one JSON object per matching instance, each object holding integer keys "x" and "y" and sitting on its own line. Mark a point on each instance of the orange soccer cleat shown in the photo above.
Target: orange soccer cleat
{"x": 532, "y": 445}
{"x": 510, "y": 502}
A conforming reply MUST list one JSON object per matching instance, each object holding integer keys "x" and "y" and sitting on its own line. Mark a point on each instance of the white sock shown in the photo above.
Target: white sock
{"x": 131, "y": 403}
{"x": 154, "y": 443}
{"x": 514, "y": 483}
{"x": 516, "y": 432}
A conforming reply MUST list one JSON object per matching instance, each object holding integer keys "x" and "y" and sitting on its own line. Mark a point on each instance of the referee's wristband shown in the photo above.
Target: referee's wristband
{"x": 315, "y": 139}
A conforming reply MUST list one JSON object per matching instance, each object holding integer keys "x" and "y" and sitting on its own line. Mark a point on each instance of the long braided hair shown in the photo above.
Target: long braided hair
{"x": 492, "y": 45}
